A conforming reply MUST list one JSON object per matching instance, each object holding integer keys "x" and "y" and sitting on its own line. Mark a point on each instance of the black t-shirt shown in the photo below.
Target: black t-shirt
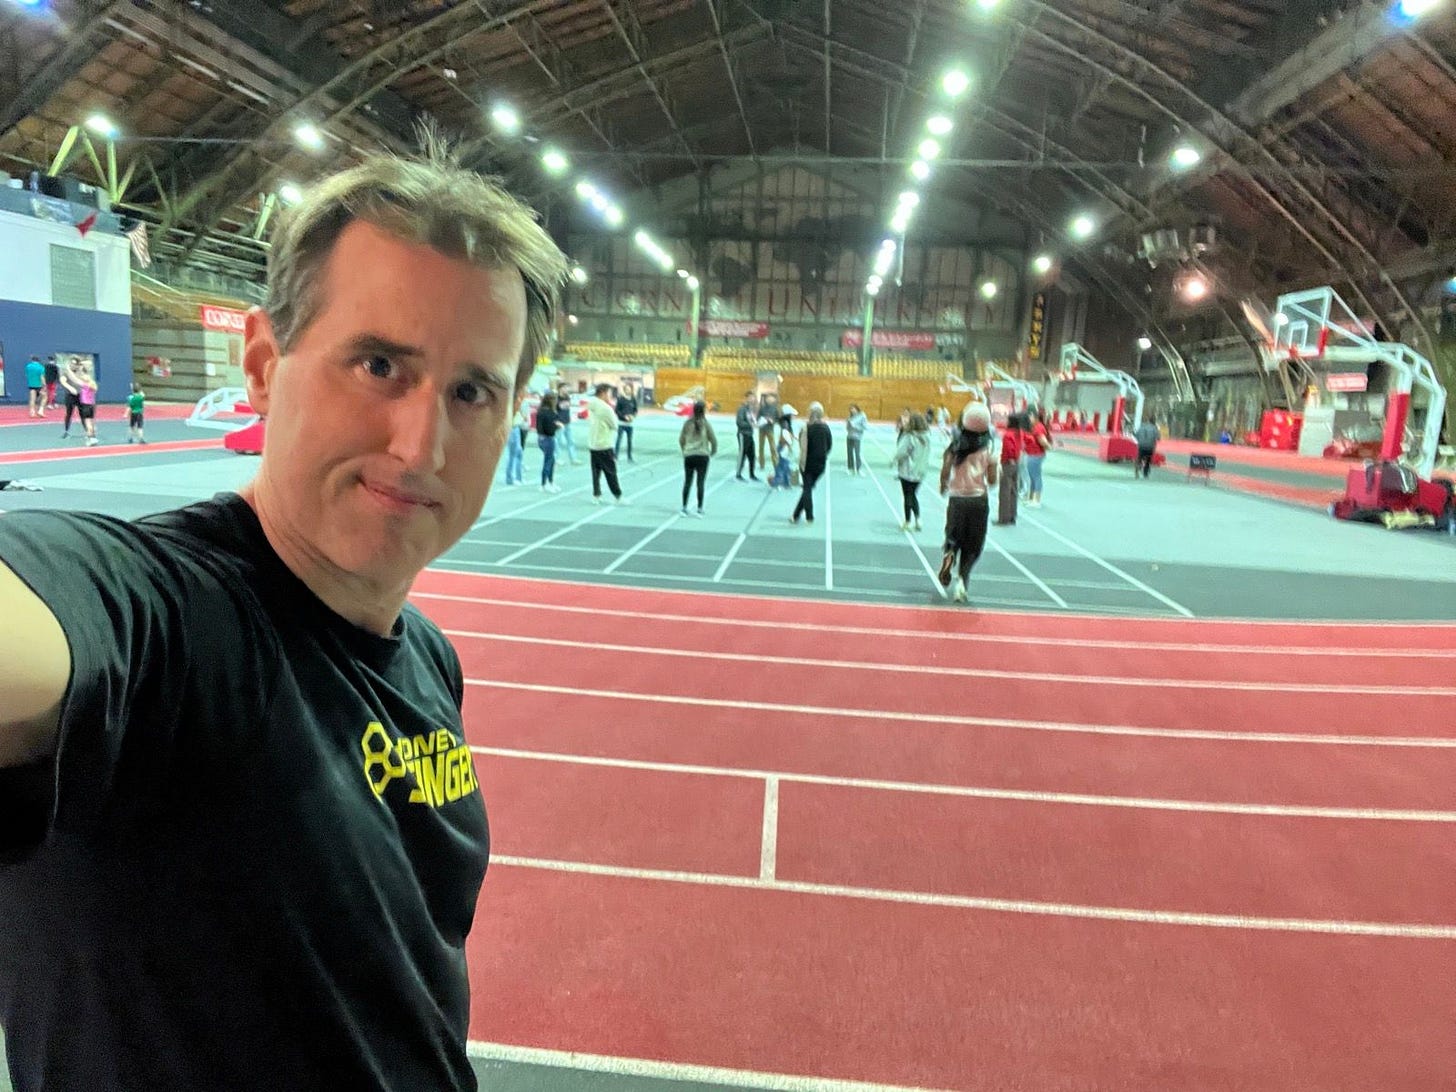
{"x": 818, "y": 440}
{"x": 626, "y": 407}
{"x": 52, "y": 372}
{"x": 255, "y": 859}
{"x": 546, "y": 423}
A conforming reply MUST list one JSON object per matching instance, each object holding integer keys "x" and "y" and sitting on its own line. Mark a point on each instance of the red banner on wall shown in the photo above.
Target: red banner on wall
{"x": 888, "y": 339}
{"x": 730, "y": 328}
{"x": 223, "y": 319}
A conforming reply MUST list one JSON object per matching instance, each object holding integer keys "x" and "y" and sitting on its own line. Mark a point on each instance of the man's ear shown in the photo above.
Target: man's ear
{"x": 261, "y": 357}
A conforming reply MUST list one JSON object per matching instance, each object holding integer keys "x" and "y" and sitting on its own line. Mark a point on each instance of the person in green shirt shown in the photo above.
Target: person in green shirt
{"x": 136, "y": 403}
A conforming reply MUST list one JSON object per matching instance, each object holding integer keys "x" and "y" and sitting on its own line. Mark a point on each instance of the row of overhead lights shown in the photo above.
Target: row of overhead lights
{"x": 557, "y": 164}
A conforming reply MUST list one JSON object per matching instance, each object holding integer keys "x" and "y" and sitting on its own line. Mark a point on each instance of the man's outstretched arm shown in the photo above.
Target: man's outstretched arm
{"x": 35, "y": 668}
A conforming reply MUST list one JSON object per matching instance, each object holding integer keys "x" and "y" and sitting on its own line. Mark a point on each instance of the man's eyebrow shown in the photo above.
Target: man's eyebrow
{"x": 378, "y": 344}
{"x": 485, "y": 375}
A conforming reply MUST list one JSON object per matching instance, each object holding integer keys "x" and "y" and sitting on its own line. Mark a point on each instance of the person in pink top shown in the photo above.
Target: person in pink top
{"x": 967, "y": 472}
{"x": 86, "y": 396}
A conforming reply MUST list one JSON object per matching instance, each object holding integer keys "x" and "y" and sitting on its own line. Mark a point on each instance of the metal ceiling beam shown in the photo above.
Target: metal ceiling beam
{"x": 712, "y": 6}
{"x": 657, "y": 92}
{"x": 61, "y": 66}
{"x": 1341, "y": 45}
{"x": 1099, "y": 88}
{"x": 828, "y": 100}
{"x": 1226, "y": 133}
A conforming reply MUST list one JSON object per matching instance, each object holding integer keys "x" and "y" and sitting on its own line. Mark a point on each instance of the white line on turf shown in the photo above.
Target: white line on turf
{"x": 1055, "y": 598}
{"x": 956, "y": 672}
{"x": 1138, "y": 803}
{"x": 768, "y": 853}
{"x": 588, "y": 518}
{"x": 1413, "y": 930}
{"x": 924, "y": 561}
{"x": 1013, "y": 724}
{"x": 732, "y": 553}
{"x": 632, "y": 552}
{"x": 552, "y": 499}
{"x": 828, "y": 531}
{"x": 1335, "y": 650}
{"x": 673, "y": 1071}
{"x": 1109, "y": 566}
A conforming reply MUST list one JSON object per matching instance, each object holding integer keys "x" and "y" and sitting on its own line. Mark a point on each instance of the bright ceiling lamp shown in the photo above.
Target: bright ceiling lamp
{"x": 578, "y": 274}
{"x": 989, "y": 290}
{"x": 1083, "y": 226}
{"x": 505, "y": 117}
{"x": 693, "y": 282}
{"x": 955, "y": 82}
{"x": 613, "y": 216}
{"x": 683, "y": 273}
{"x": 988, "y": 5}
{"x": 872, "y": 286}
{"x": 900, "y": 222}
{"x": 1195, "y": 288}
{"x": 1042, "y": 264}
{"x": 939, "y": 125}
{"x": 1184, "y": 157}
{"x": 101, "y": 125}
{"x": 929, "y": 148}
{"x": 884, "y": 259}
{"x": 1144, "y": 343}
{"x": 290, "y": 193}
{"x": 554, "y": 161}
{"x": 585, "y": 190}
{"x": 909, "y": 199}
{"x": 1414, "y": 9}
{"x": 308, "y": 134}
{"x": 920, "y": 170}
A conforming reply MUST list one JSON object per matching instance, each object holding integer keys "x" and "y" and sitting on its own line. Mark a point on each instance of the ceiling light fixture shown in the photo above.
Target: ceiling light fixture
{"x": 939, "y": 125}
{"x": 101, "y": 125}
{"x": 1042, "y": 264}
{"x": 955, "y": 82}
{"x": 920, "y": 170}
{"x": 1185, "y": 156}
{"x": 1083, "y": 226}
{"x": 554, "y": 161}
{"x": 505, "y": 117}
{"x": 929, "y": 148}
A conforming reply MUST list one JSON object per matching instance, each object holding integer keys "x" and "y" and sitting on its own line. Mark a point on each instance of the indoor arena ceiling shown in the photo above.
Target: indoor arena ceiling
{"x": 1324, "y": 126}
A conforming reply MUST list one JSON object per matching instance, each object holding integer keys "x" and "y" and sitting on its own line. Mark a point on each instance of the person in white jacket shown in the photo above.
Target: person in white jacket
{"x": 912, "y": 459}
{"x": 601, "y": 437}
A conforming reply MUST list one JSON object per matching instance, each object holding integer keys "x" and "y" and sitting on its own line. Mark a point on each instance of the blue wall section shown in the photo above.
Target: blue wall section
{"x": 27, "y": 328}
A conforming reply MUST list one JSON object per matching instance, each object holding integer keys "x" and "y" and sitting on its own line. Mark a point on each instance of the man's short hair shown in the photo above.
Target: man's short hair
{"x": 816, "y": 411}
{"x": 600, "y": 388}
{"x": 428, "y": 199}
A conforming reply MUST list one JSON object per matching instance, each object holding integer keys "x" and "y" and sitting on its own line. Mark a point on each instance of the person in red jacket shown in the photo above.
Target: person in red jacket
{"x": 1036, "y": 441}
{"x": 1010, "y": 469}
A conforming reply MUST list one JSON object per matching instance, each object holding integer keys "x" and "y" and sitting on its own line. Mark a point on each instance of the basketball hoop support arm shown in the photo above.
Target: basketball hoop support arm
{"x": 1075, "y": 359}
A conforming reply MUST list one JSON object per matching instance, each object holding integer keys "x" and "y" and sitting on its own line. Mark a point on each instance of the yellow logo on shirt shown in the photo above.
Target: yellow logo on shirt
{"x": 437, "y": 766}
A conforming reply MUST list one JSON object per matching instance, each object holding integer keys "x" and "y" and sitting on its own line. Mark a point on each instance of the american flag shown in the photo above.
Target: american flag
{"x": 139, "y": 247}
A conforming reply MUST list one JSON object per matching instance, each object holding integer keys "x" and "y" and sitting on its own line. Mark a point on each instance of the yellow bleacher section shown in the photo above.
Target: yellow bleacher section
{"x": 611, "y": 352}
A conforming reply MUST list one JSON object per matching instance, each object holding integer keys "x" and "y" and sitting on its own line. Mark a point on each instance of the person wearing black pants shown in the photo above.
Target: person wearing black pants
{"x": 601, "y": 424}
{"x": 912, "y": 459}
{"x": 966, "y": 475}
{"x": 698, "y": 445}
{"x": 626, "y": 414}
{"x": 814, "y": 445}
{"x": 744, "y": 424}
{"x": 1147, "y": 436}
{"x": 71, "y": 383}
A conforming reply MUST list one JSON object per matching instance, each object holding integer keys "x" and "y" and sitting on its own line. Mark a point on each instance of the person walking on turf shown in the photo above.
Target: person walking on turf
{"x": 770, "y": 415}
{"x": 698, "y": 445}
{"x": 601, "y": 434}
{"x": 912, "y": 460}
{"x": 564, "y": 443}
{"x": 1036, "y": 441}
{"x": 626, "y": 413}
{"x": 743, "y": 422}
{"x": 854, "y": 429}
{"x": 966, "y": 473}
{"x": 71, "y": 384}
{"x": 244, "y": 840}
{"x": 136, "y": 408}
{"x": 815, "y": 442}
{"x": 1010, "y": 478}
{"x": 52, "y": 380}
{"x": 548, "y": 427}
{"x": 35, "y": 385}
{"x": 1147, "y": 437}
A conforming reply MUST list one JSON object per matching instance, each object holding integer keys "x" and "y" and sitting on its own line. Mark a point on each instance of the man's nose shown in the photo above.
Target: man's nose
{"x": 419, "y": 423}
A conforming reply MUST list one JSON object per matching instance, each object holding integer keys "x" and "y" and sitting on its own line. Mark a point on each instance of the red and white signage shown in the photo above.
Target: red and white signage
{"x": 889, "y": 339}
{"x": 729, "y": 328}
{"x": 223, "y": 319}
{"x": 1346, "y": 381}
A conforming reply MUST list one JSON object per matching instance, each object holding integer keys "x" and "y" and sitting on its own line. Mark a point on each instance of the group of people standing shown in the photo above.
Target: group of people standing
{"x": 803, "y": 453}
{"x": 76, "y": 379}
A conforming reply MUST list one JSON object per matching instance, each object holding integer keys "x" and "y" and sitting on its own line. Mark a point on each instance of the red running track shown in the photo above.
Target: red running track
{"x": 700, "y": 939}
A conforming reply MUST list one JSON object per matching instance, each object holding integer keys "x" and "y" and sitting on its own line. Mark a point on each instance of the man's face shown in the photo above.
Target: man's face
{"x": 387, "y": 417}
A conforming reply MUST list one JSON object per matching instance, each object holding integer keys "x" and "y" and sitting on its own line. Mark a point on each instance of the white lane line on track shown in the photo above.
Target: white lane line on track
{"x": 675, "y": 518}
{"x": 1109, "y": 566}
{"x": 553, "y": 498}
{"x": 1416, "y": 931}
{"x": 982, "y": 638}
{"x": 946, "y": 719}
{"x": 757, "y": 657}
{"x": 768, "y": 856}
{"x": 1030, "y": 796}
{"x": 674, "y": 1071}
